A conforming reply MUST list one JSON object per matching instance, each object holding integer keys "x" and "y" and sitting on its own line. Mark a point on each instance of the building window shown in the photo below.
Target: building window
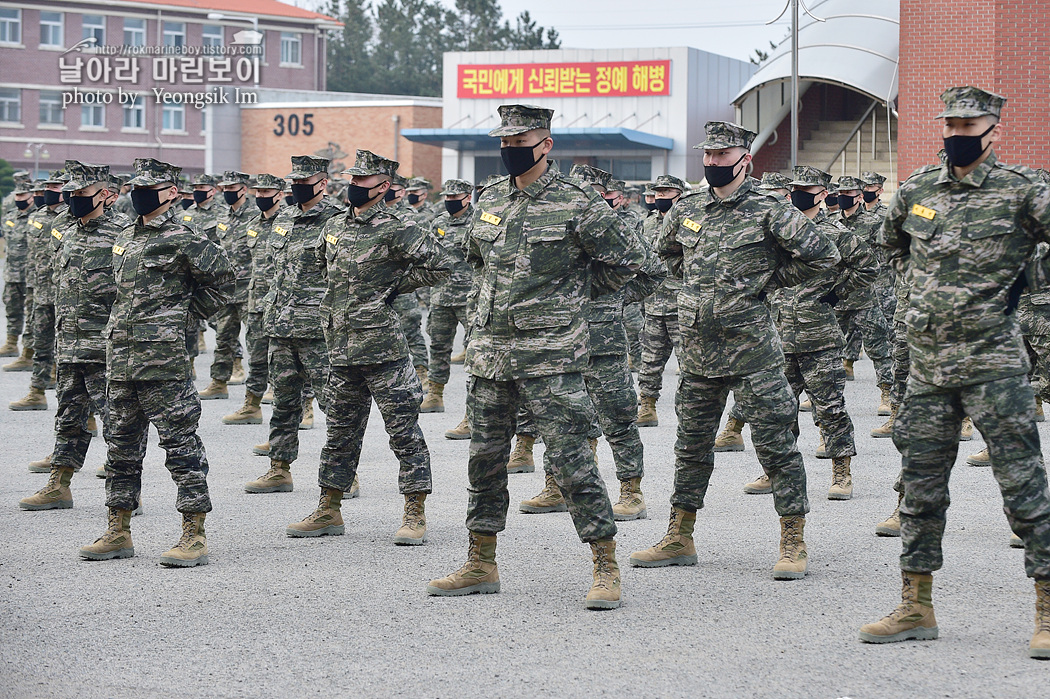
{"x": 10, "y": 106}
{"x": 135, "y": 114}
{"x": 10, "y": 26}
{"x": 174, "y": 33}
{"x": 174, "y": 118}
{"x": 629, "y": 170}
{"x": 51, "y": 29}
{"x": 134, "y": 32}
{"x": 291, "y": 48}
{"x": 51, "y": 111}
{"x": 93, "y": 116}
{"x": 212, "y": 35}
{"x": 95, "y": 27}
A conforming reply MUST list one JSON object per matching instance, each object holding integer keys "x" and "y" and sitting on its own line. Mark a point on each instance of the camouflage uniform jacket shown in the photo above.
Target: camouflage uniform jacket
{"x": 123, "y": 205}
{"x": 730, "y": 253}
{"x": 85, "y": 289}
{"x": 369, "y": 259}
{"x": 534, "y": 251}
{"x": 164, "y": 272}
{"x": 233, "y": 234}
{"x": 965, "y": 242}
{"x": 1033, "y": 308}
{"x": 864, "y": 225}
{"x": 16, "y": 231}
{"x": 205, "y": 218}
{"x": 257, "y": 231}
{"x": 292, "y": 307}
{"x": 422, "y": 216}
{"x": 450, "y": 233}
{"x": 664, "y": 301}
{"x": 631, "y": 218}
{"x": 40, "y": 269}
{"x": 804, "y": 322}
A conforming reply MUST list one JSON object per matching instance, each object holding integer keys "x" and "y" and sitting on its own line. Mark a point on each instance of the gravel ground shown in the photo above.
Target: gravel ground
{"x": 274, "y": 617}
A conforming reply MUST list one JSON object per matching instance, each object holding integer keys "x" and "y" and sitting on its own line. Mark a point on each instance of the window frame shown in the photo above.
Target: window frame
{"x": 95, "y": 28}
{"x": 51, "y": 25}
{"x": 165, "y": 33}
{"x": 172, "y": 109}
{"x": 205, "y": 36}
{"x": 296, "y": 39}
{"x": 94, "y": 109}
{"x": 46, "y": 98}
{"x": 140, "y": 31}
{"x": 8, "y": 21}
{"x": 17, "y": 100}
{"x": 137, "y": 106}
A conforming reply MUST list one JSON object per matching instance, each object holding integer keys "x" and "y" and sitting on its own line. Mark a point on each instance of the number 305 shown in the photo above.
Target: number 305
{"x": 290, "y": 124}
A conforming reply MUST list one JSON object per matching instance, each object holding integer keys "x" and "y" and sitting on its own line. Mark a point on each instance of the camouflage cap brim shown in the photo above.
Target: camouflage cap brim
{"x": 74, "y": 185}
{"x": 148, "y": 180}
{"x": 456, "y": 187}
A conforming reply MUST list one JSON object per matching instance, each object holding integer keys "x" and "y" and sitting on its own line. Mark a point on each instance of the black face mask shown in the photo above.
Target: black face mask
{"x": 231, "y": 198}
{"x": 52, "y": 197}
{"x": 664, "y": 205}
{"x": 38, "y": 200}
{"x": 846, "y": 202}
{"x": 965, "y": 150}
{"x": 66, "y": 196}
{"x": 358, "y": 196}
{"x": 650, "y": 205}
{"x": 519, "y": 159}
{"x": 390, "y": 195}
{"x": 803, "y": 200}
{"x": 721, "y": 175}
{"x": 186, "y": 203}
{"x": 413, "y": 199}
{"x": 611, "y": 201}
{"x": 870, "y": 196}
{"x": 289, "y": 200}
{"x": 145, "y": 201}
{"x": 79, "y": 207}
{"x": 454, "y": 206}
{"x": 22, "y": 204}
{"x": 199, "y": 195}
{"x": 265, "y": 203}
{"x": 302, "y": 193}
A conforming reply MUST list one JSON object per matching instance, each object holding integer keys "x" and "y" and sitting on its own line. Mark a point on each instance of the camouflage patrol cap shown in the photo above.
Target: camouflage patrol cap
{"x": 233, "y": 177}
{"x": 265, "y": 180}
{"x": 81, "y": 175}
{"x": 24, "y": 186}
{"x": 205, "y": 179}
{"x": 368, "y": 163}
{"x": 398, "y": 181}
{"x": 848, "y": 182}
{"x": 967, "y": 102}
{"x": 616, "y": 186}
{"x": 454, "y": 187}
{"x": 57, "y": 177}
{"x": 519, "y": 118}
{"x": 809, "y": 176}
{"x": 304, "y": 166}
{"x": 590, "y": 174}
{"x": 774, "y": 180}
{"x": 37, "y": 185}
{"x": 419, "y": 183}
{"x": 649, "y": 190}
{"x": 21, "y": 176}
{"x": 726, "y": 134}
{"x": 115, "y": 182}
{"x": 149, "y": 172}
{"x": 670, "y": 182}
{"x": 1043, "y": 175}
{"x": 869, "y": 178}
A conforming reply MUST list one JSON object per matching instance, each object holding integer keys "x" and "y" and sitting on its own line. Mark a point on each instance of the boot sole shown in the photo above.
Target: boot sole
{"x": 879, "y": 435}
{"x": 432, "y": 410}
{"x": 21, "y": 408}
{"x": 333, "y": 530}
{"x": 1016, "y": 544}
{"x": 305, "y": 426}
{"x": 965, "y": 438}
{"x": 235, "y": 382}
{"x": 617, "y": 517}
{"x": 182, "y": 563}
{"x": 352, "y": 494}
{"x": 539, "y": 510}
{"x": 283, "y": 488}
{"x": 840, "y": 496}
{"x": 916, "y": 634}
{"x": 56, "y": 505}
{"x": 28, "y": 368}
{"x": 409, "y": 541}
{"x": 676, "y": 561}
{"x": 119, "y": 553}
{"x": 601, "y": 604}
{"x": 649, "y": 423}
{"x": 979, "y": 464}
{"x": 249, "y": 421}
{"x": 221, "y": 397}
{"x": 1039, "y": 653}
{"x": 453, "y": 435}
{"x": 788, "y": 575}
{"x": 883, "y": 412}
{"x": 735, "y": 447}
{"x": 886, "y": 531}
{"x": 260, "y": 452}
{"x": 479, "y": 589}
{"x": 100, "y": 474}
{"x": 522, "y": 469}
{"x": 820, "y": 455}
{"x": 758, "y": 491}
{"x": 39, "y": 469}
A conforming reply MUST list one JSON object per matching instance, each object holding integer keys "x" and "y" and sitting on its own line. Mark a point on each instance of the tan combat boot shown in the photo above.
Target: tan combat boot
{"x": 413, "y": 531}
{"x": 267, "y": 398}
{"x": 192, "y": 547}
{"x": 805, "y": 406}
{"x": 478, "y": 575}
{"x": 115, "y": 542}
{"x": 730, "y": 438}
{"x": 216, "y": 390}
{"x": 981, "y": 458}
{"x": 605, "y": 590}
{"x": 237, "y": 375}
{"x": 92, "y": 426}
{"x": 1016, "y": 542}
{"x": 34, "y": 400}
{"x": 10, "y": 348}
{"x": 202, "y": 346}
{"x": 647, "y": 412}
{"x": 631, "y": 504}
{"x": 1039, "y": 416}
{"x": 248, "y": 414}
{"x": 1040, "y": 645}
{"x": 760, "y": 486}
{"x": 675, "y": 549}
{"x": 885, "y": 403}
{"x": 966, "y": 430}
{"x": 886, "y": 430}
{"x": 891, "y": 526}
{"x": 822, "y": 449}
{"x": 912, "y": 619}
{"x": 592, "y": 442}
{"x": 847, "y": 364}
{"x": 277, "y": 480}
{"x": 434, "y": 401}
{"x": 841, "y": 479}
{"x": 521, "y": 460}
{"x": 23, "y": 363}
{"x": 307, "y": 423}
{"x": 355, "y": 489}
{"x": 53, "y": 496}
{"x": 325, "y": 520}
{"x": 458, "y": 358}
{"x": 460, "y": 431}
{"x": 41, "y": 465}
{"x": 794, "y": 558}
{"x": 421, "y": 372}
{"x": 262, "y": 449}
{"x": 549, "y": 499}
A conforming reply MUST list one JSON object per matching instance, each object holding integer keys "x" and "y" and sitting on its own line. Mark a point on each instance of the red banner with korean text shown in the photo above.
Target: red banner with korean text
{"x": 603, "y": 79}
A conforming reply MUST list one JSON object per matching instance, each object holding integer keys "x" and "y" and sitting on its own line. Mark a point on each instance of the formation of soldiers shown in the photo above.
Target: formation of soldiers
{"x": 562, "y": 286}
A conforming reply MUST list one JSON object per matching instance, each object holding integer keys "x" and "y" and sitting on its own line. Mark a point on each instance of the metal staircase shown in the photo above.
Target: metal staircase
{"x": 855, "y": 146}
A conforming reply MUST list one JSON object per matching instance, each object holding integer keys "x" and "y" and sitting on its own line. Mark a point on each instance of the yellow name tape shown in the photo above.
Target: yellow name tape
{"x": 491, "y": 218}
{"x": 279, "y": 231}
{"x": 57, "y": 235}
{"x": 691, "y": 225}
{"x": 117, "y": 250}
{"x": 254, "y": 234}
{"x": 441, "y": 232}
{"x": 10, "y": 223}
{"x": 923, "y": 212}
{"x": 187, "y": 217}
{"x": 332, "y": 240}
{"x": 223, "y": 227}
{"x": 38, "y": 224}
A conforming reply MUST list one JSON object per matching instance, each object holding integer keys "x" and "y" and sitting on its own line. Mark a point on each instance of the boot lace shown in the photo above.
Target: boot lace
{"x": 53, "y": 483}
{"x": 1042, "y": 606}
{"x": 413, "y": 516}
{"x": 602, "y": 568}
{"x": 792, "y": 539}
{"x": 839, "y": 472}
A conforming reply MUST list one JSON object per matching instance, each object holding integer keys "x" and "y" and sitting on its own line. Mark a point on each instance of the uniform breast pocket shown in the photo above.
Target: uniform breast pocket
{"x": 162, "y": 262}
{"x": 924, "y": 238}
{"x": 687, "y": 237}
{"x": 746, "y": 254}
{"x": 549, "y": 249}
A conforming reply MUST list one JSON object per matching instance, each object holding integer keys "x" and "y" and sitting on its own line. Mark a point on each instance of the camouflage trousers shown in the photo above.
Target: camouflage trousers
{"x": 660, "y": 337}
{"x": 15, "y": 307}
{"x": 926, "y": 432}
{"x": 294, "y": 364}
{"x": 396, "y": 389}
{"x": 407, "y": 307}
{"x": 563, "y": 414}
{"x": 43, "y": 344}
{"x": 769, "y": 405}
{"x": 633, "y": 321}
{"x": 80, "y": 392}
{"x": 901, "y": 363}
{"x": 258, "y": 345}
{"x": 441, "y": 326}
{"x": 174, "y": 409}
{"x": 868, "y": 326}
{"x": 1038, "y": 347}
{"x": 227, "y": 340}
{"x": 822, "y": 377}
{"x": 886, "y": 300}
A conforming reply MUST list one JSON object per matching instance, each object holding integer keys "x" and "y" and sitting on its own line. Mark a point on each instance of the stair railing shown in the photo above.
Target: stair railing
{"x": 856, "y": 129}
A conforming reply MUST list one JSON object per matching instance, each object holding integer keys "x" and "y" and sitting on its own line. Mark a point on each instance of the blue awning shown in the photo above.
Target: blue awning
{"x": 594, "y": 138}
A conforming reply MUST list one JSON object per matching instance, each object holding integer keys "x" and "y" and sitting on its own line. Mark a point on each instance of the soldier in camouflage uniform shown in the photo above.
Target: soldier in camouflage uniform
{"x": 733, "y": 245}
{"x": 540, "y": 244}
{"x": 123, "y": 202}
{"x": 633, "y": 313}
{"x": 810, "y": 334}
{"x": 17, "y": 302}
{"x": 966, "y": 231}
{"x": 872, "y": 193}
{"x": 164, "y": 271}
{"x": 776, "y": 183}
{"x": 292, "y": 317}
{"x": 370, "y": 256}
{"x": 414, "y": 208}
{"x": 660, "y": 334}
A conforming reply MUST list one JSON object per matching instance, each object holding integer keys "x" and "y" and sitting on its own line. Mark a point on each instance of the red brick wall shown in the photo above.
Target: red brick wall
{"x": 997, "y": 45}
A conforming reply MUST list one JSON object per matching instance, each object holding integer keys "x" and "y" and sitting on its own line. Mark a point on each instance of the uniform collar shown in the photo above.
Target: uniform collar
{"x": 369, "y": 213}
{"x": 975, "y": 178}
{"x": 744, "y": 189}
{"x": 160, "y": 220}
{"x": 535, "y": 189}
